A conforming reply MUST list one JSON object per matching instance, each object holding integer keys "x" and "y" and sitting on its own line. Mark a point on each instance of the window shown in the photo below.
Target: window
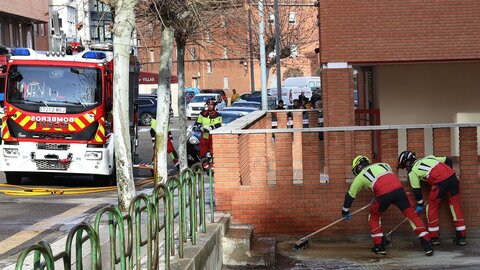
{"x": 293, "y": 50}
{"x": 224, "y": 22}
{"x": 152, "y": 55}
{"x": 292, "y": 18}
{"x": 41, "y": 29}
{"x": 100, "y": 32}
{"x": 271, "y": 18}
{"x": 193, "y": 53}
{"x": 225, "y": 52}
{"x": 20, "y": 35}
{"x": 209, "y": 37}
{"x": 225, "y": 82}
{"x": 209, "y": 67}
{"x": 144, "y": 102}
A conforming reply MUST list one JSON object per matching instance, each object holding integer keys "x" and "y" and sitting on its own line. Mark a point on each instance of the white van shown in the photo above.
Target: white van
{"x": 303, "y": 82}
{"x": 290, "y": 93}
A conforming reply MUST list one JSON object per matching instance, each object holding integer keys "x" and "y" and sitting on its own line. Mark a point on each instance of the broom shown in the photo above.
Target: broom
{"x": 388, "y": 236}
{"x": 303, "y": 242}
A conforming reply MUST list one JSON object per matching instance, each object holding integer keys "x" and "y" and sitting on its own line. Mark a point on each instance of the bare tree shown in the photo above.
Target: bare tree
{"x": 189, "y": 19}
{"x": 196, "y": 19}
{"x": 122, "y": 36}
{"x": 293, "y": 72}
{"x": 297, "y": 23}
{"x": 161, "y": 14}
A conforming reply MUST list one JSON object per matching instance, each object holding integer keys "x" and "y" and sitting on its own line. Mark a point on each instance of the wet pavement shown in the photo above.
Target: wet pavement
{"x": 405, "y": 252}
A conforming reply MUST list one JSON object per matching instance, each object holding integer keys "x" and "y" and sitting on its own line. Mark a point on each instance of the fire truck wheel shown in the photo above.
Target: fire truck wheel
{"x": 13, "y": 178}
{"x": 106, "y": 180}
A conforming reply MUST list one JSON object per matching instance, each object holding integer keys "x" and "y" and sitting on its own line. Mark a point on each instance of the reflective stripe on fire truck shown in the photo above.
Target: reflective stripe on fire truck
{"x": 29, "y": 122}
{"x": 100, "y": 135}
{"x": 5, "y": 132}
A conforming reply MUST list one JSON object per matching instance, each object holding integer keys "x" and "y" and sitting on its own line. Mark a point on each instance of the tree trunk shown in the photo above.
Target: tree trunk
{"x": 163, "y": 106}
{"x": 124, "y": 22}
{"x": 182, "y": 142}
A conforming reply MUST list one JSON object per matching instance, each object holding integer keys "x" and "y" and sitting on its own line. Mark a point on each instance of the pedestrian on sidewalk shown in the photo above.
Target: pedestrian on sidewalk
{"x": 235, "y": 96}
{"x": 387, "y": 190}
{"x": 440, "y": 175}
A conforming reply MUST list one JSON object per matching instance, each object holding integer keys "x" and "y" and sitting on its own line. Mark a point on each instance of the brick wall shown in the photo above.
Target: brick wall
{"x": 392, "y": 30}
{"x": 284, "y": 207}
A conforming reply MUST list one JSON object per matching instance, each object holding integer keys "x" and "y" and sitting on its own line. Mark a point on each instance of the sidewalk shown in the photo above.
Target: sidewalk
{"x": 404, "y": 253}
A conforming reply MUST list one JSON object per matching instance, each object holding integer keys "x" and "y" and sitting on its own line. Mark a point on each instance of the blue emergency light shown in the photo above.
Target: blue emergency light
{"x": 94, "y": 55}
{"x": 20, "y": 52}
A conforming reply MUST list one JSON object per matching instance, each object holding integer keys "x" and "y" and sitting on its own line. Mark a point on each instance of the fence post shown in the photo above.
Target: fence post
{"x": 38, "y": 249}
{"x": 94, "y": 246}
{"x": 167, "y": 198}
{"x": 114, "y": 214}
{"x": 135, "y": 211}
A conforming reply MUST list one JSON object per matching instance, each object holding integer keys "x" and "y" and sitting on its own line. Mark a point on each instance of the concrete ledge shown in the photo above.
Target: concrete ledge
{"x": 207, "y": 253}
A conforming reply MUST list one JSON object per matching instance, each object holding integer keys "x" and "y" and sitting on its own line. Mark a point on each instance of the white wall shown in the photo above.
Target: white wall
{"x": 428, "y": 93}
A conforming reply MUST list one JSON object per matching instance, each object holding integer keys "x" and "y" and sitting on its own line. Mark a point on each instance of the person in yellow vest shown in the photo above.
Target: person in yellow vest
{"x": 170, "y": 147}
{"x": 208, "y": 119}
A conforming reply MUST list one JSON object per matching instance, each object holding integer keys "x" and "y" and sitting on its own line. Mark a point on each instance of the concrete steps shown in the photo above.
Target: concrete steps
{"x": 242, "y": 248}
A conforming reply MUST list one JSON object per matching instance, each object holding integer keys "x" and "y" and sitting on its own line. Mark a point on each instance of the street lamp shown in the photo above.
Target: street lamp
{"x": 252, "y": 72}
{"x": 277, "y": 51}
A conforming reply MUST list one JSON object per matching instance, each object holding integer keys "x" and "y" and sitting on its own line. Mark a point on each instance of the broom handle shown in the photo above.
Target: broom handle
{"x": 399, "y": 224}
{"x": 396, "y": 227}
{"x": 333, "y": 223}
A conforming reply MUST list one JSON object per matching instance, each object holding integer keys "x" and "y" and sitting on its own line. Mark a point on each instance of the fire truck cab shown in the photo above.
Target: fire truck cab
{"x": 58, "y": 115}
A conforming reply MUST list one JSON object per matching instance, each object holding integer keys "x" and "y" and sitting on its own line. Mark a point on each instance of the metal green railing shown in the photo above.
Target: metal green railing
{"x": 142, "y": 220}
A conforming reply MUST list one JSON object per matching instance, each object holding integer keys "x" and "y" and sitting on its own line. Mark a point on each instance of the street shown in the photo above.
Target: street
{"x": 25, "y": 220}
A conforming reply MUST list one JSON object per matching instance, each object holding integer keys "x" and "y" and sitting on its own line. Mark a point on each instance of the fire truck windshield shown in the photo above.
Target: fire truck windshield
{"x": 29, "y": 87}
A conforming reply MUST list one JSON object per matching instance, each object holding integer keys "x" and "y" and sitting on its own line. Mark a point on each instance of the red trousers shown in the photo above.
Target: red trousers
{"x": 399, "y": 199}
{"x": 205, "y": 146}
{"x": 450, "y": 187}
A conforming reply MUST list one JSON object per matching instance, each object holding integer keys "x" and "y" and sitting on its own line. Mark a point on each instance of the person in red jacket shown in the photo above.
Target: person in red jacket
{"x": 440, "y": 175}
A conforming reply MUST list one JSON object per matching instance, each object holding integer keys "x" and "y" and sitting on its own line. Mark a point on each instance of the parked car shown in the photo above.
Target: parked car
{"x": 244, "y": 110}
{"x": 216, "y": 91}
{"x": 230, "y": 116}
{"x": 198, "y": 104}
{"x": 147, "y": 109}
{"x": 188, "y": 96}
{"x": 249, "y": 96}
{"x": 252, "y": 104}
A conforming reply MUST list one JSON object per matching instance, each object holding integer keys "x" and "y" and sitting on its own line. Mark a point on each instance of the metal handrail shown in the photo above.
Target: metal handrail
{"x": 190, "y": 183}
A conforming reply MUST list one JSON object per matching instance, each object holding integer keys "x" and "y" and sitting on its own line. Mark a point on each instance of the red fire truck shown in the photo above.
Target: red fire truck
{"x": 3, "y": 67}
{"x": 58, "y": 115}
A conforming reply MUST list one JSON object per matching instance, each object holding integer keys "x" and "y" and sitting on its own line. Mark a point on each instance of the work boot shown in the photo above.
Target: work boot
{"x": 427, "y": 246}
{"x": 435, "y": 241}
{"x": 459, "y": 239}
{"x": 379, "y": 249}
{"x": 386, "y": 241}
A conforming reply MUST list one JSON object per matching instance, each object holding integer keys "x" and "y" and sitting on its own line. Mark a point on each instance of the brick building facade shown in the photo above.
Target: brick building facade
{"x": 218, "y": 60}
{"x": 414, "y": 65}
{"x": 24, "y": 24}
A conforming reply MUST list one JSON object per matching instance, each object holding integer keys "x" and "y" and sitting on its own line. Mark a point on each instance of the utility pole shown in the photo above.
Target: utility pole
{"x": 277, "y": 51}
{"x": 250, "y": 45}
{"x": 263, "y": 61}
